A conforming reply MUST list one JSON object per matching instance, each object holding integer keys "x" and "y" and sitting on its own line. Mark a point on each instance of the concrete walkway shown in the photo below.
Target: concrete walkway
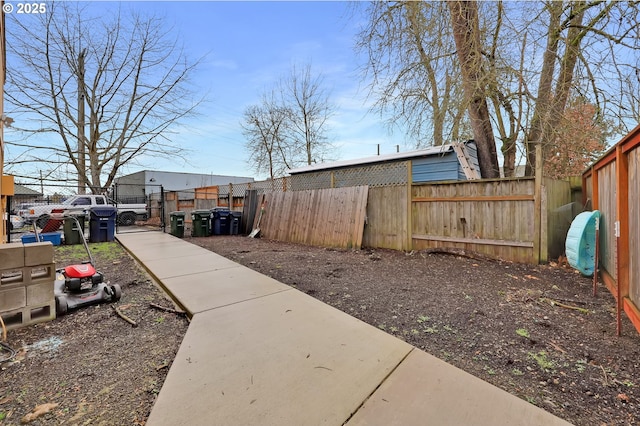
{"x": 258, "y": 352}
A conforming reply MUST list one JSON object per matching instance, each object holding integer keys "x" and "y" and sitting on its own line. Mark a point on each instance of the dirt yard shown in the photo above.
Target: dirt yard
{"x": 91, "y": 366}
{"x": 534, "y": 331}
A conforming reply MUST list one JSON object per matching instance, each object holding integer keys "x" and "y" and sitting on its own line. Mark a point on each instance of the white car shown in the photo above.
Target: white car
{"x": 16, "y": 221}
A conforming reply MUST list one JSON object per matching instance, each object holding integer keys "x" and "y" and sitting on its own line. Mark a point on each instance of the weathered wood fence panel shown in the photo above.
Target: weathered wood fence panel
{"x": 634, "y": 226}
{"x": 613, "y": 183}
{"x": 323, "y": 217}
{"x": 387, "y": 218}
{"x": 493, "y": 217}
{"x": 608, "y": 215}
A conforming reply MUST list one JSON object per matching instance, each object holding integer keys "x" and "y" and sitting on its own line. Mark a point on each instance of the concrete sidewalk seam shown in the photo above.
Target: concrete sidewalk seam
{"x": 413, "y": 348}
{"x": 242, "y": 301}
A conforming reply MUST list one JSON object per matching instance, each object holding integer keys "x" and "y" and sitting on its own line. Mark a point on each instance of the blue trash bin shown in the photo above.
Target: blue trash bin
{"x": 220, "y": 219}
{"x": 102, "y": 224}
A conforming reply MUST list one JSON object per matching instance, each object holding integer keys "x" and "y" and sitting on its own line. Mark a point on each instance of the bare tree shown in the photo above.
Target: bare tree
{"x": 288, "y": 127}
{"x": 304, "y": 96}
{"x": 128, "y": 73}
{"x": 411, "y": 62}
{"x": 466, "y": 33}
{"x": 266, "y": 126}
{"x": 576, "y": 30}
{"x": 520, "y": 63}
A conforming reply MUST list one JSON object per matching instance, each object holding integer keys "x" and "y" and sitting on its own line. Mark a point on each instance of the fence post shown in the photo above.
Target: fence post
{"x": 622, "y": 236}
{"x": 537, "y": 207}
{"x": 230, "y": 196}
{"x": 162, "y": 212}
{"x": 409, "y": 207}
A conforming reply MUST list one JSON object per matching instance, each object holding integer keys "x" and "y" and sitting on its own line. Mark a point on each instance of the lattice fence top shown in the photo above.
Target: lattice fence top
{"x": 384, "y": 174}
{"x": 271, "y": 185}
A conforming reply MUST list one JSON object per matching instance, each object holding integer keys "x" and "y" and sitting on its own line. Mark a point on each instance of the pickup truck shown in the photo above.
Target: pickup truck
{"x": 127, "y": 213}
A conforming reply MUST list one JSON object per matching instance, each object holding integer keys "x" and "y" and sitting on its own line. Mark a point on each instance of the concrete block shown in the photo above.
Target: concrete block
{"x": 11, "y": 278}
{"x": 40, "y": 294}
{"x": 29, "y": 315}
{"x": 38, "y": 253}
{"x": 13, "y": 298}
{"x": 40, "y": 274}
{"x": 12, "y": 256}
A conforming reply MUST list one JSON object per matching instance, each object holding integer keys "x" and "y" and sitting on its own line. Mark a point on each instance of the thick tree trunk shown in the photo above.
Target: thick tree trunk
{"x": 542, "y": 108}
{"x": 466, "y": 32}
{"x": 550, "y": 106}
{"x": 509, "y": 150}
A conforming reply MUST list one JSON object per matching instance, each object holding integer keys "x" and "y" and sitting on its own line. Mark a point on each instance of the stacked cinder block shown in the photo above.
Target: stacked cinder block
{"x": 27, "y": 274}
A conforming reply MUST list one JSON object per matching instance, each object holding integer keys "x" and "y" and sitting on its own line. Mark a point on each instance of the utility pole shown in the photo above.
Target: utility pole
{"x": 81, "y": 146}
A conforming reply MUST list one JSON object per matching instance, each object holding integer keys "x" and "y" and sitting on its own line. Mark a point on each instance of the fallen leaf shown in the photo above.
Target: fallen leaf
{"x": 38, "y": 411}
{"x": 623, "y": 397}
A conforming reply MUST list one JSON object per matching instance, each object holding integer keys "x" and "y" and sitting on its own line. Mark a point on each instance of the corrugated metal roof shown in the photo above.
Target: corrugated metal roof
{"x": 375, "y": 159}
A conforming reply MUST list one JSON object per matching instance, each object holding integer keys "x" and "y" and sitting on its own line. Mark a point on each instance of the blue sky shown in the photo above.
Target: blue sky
{"x": 247, "y": 47}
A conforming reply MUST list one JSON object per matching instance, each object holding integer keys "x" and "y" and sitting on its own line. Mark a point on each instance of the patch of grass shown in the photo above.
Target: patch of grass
{"x": 449, "y": 328}
{"x": 3, "y": 415}
{"x": 382, "y": 326}
{"x": 628, "y": 383}
{"x": 431, "y": 330}
{"x": 542, "y": 360}
{"x": 415, "y": 332}
{"x": 423, "y": 318}
{"x": 107, "y": 251}
{"x": 581, "y": 365}
{"x": 160, "y": 320}
{"x": 517, "y": 372}
{"x": 490, "y": 371}
{"x": 393, "y": 329}
{"x": 523, "y": 332}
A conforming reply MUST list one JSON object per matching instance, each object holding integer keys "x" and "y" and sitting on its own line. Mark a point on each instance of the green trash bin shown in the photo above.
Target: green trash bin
{"x": 200, "y": 223}
{"x": 71, "y": 233}
{"x": 177, "y": 223}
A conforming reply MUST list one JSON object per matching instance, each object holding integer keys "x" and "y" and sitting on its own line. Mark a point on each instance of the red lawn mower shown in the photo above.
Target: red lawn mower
{"x": 81, "y": 285}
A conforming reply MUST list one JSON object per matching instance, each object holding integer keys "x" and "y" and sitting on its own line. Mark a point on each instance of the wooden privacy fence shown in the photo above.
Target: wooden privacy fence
{"x": 612, "y": 186}
{"x": 504, "y": 218}
{"x": 321, "y": 217}
{"x": 519, "y": 219}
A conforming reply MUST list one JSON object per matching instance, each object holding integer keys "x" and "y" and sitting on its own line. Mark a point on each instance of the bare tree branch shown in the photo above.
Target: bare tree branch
{"x": 135, "y": 88}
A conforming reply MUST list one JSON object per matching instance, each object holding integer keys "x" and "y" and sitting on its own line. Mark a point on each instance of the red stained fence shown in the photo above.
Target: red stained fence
{"x": 612, "y": 185}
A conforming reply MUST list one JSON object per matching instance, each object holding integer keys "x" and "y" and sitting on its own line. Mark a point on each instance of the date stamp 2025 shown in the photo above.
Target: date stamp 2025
{"x": 25, "y": 8}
